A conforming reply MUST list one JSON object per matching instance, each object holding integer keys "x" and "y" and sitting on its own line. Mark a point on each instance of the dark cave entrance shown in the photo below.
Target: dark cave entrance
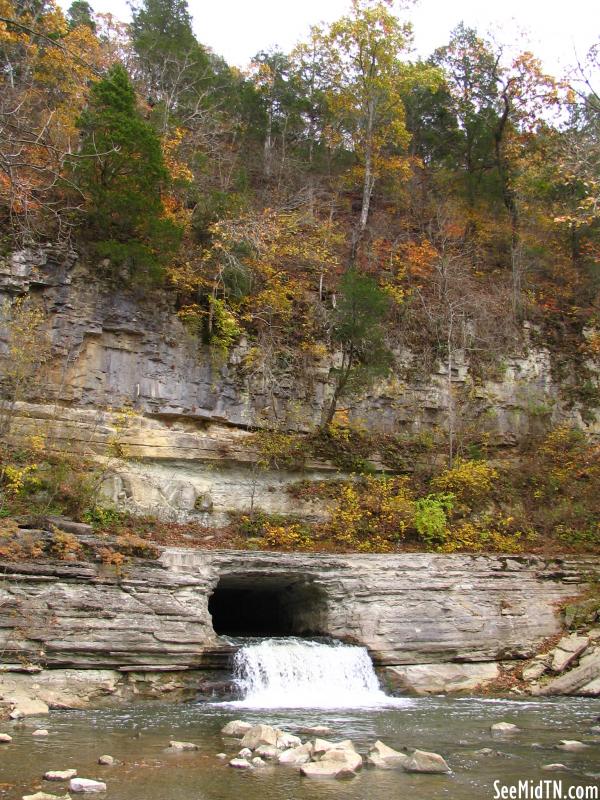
{"x": 265, "y": 605}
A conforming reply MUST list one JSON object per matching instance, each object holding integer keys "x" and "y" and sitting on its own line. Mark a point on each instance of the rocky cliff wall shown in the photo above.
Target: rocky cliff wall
{"x": 184, "y": 451}
{"x": 406, "y": 609}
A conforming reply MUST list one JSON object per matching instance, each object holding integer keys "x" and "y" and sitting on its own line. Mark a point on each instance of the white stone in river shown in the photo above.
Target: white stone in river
{"x": 295, "y": 756}
{"x": 236, "y": 728}
{"x": 571, "y": 745}
{"x": 260, "y": 734}
{"x": 504, "y": 727}
{"x": 240, "y": 763}
{"x": 106, "y": 761}
{"x": 423, "y": 761}
{"x": 380, "y": 755}
{"x": 174, "y": 745}
{"x": 60, "y": 775}
{"x": 86, "y": 785}
{"x": 553, "y": 767}
{"x": 41, "y": 732}
{"x": 5, "y": 738}
{"x": 245, "y": 752}
{"x": 221, "y": 755}
{"x": 46, "y": 796}
{"x": 287, "y": 740}
{"x": 267, "y": 751}
{"x": 258, "y": 762}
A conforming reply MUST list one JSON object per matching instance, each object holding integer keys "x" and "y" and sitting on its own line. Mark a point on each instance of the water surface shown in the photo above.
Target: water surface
{"x": 457, "y": 728}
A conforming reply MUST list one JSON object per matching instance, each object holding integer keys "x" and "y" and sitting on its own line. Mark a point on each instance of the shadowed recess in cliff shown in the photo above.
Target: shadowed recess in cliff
{"x": 254, "y": 604}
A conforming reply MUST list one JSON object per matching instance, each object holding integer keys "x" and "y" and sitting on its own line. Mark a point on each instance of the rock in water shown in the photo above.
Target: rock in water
{"x": 260, "y": 734}
{"x": 240, "y": 763}
{"x": 60, "y": 775}
{"x": 380, "y": 755}
{"x": 174, "y": 745}
{"x": 571, "y": 745}
{"x": 553, "y": 767}
{"x": 258, "y": 762}
{"x": 295, "y": 756}
{"x": 287, "y": 740}
{"x": 40, "y": 732}
{"x": 236, "y": 728}
{"x": 267, "y": 751}
{"x": 106, "y": 761}
{"x": 504, "y": 727}
{"x": 245, "y": 752}
{"x": 45, "y": 796}
{"x": 87, "y": 786}
{"x": 422, "y": 761}
{"x": 349, "y": 759}
{"x": 5, "y": 738}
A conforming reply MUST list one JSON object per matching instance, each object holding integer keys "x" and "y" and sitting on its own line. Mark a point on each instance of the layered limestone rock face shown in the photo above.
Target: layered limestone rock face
{"x": 156, "y": 615}
{"x": 184, "y": 452}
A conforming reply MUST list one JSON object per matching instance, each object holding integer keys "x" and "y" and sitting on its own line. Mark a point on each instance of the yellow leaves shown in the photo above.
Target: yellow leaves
{"x": 17, "y": 479}
{"x": 470, "y": 481}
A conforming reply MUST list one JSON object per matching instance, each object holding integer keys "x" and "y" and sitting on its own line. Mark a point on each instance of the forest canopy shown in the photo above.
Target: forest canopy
{"x": 459, "y": 193}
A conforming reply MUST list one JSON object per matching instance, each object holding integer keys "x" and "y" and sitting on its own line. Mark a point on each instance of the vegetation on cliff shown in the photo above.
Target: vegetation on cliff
{"x": 344, "y": 205}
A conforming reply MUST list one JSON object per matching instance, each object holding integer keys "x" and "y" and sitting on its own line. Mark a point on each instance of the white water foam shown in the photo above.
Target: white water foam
{"x": 298, "y": 673}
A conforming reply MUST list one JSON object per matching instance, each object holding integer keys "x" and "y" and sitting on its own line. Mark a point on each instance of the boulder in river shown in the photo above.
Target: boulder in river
{"x": 380, "y": 755}
{"x": 295, "y": 756}
{"x": 40, "y": 732}
{"x": 350, "y": 758}
{"x": 258, "y": 762}
{"x": 553, "y": 767}
{"x": 5, "y": 738}
{"x": 236, "y": 728}
{"x": 504, "y": 728}
{"x": 260, "y": 734}
{"x": 106, "y": 761}
{"x": 174, "y": 745}
{"x": 423, "y": 761}
{"x": 245, "y": 752}
{"x": 287, "y": 740}
{"x": 268, "y": 751}
{"x": 333, "y": 764}
{"x": 571, "y": 745}
{"x": 46, "y": 796}
{"x": 86, "y": 786}
{"x": 240, "y": 763}
{"x": 60, "y": 775}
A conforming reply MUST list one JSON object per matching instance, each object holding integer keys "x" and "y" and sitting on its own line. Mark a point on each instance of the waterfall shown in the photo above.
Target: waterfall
{"x": 298, "y": 673}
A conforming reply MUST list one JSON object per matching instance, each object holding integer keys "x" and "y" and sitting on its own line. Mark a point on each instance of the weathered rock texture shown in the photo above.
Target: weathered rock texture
{"x": 406, "y": 609}
{"x": 127, "y": 347}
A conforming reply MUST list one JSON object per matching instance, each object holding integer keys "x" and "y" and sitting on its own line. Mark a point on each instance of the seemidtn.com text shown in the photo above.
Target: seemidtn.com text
{"x": 549, "y": 789}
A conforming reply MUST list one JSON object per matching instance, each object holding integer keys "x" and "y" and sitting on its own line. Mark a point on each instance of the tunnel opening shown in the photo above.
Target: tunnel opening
{"x": 263, "y": 605}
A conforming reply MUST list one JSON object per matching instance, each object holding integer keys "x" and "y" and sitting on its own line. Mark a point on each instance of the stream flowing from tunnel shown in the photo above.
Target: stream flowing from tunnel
{"x": 300, "y": 673}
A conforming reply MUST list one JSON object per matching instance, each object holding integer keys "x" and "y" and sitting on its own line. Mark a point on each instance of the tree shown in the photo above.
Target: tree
{"x": 121, "y": 171}
{"x": 81, "y": 13}
{"x": 365, "y": 77}
{"x": 358, "y": 330}
{"x": 173, "y": 68}
{"x": 44, "y": 72}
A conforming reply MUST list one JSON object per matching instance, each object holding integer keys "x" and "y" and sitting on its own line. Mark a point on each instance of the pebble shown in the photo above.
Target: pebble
{"x": 221, "y": 755}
